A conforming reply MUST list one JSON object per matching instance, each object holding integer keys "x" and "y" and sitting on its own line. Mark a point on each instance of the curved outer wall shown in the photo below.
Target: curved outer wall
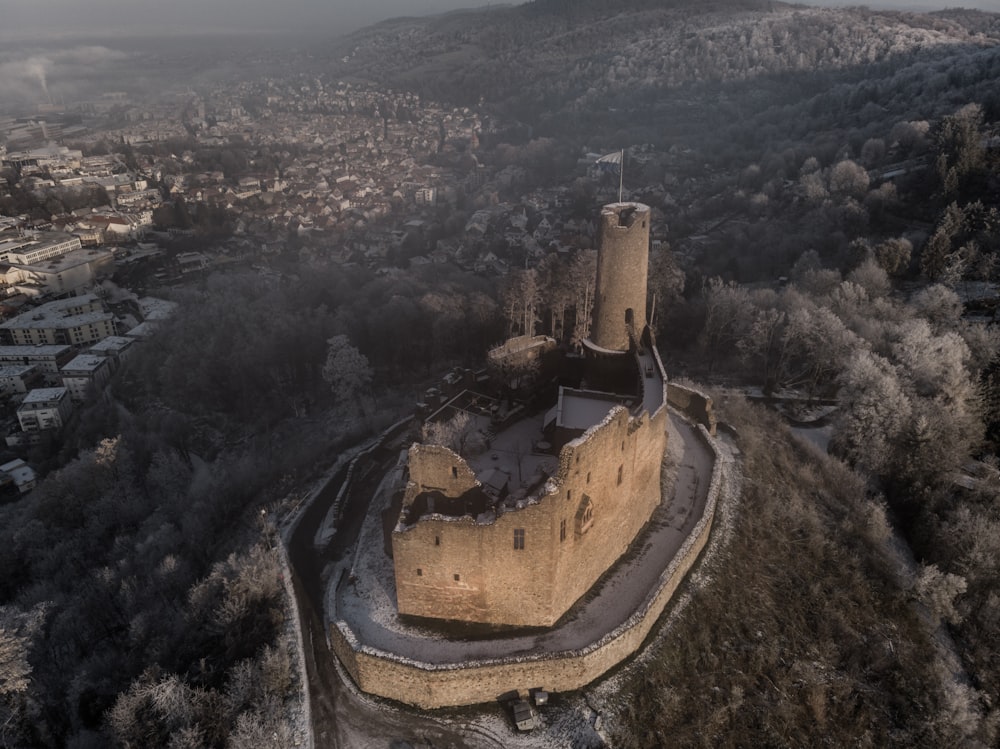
{"x": 429, "y": 686}
{"x": 622, "y": 259}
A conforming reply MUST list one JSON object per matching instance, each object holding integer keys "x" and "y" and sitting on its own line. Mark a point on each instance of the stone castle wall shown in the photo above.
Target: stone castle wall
{"x": 528, "y": 565}
{"x": 438, "y": 468}
{"x": 430, "y": 686}
{"x": 694, "y": 404}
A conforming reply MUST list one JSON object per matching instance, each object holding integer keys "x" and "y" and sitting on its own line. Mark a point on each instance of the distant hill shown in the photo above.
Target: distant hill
{"x": 568, "y": 56}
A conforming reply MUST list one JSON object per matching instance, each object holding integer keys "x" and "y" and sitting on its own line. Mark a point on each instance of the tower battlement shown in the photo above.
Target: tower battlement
{"x": 622, "y": 264}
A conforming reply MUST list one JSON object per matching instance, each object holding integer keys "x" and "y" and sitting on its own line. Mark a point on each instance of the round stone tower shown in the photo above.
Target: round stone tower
{"x": 622, "y": 260}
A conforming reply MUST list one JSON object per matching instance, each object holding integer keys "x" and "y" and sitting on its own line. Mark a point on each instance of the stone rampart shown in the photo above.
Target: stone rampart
{"x": 694, "y": 404}
{"x": 427, "y": 685}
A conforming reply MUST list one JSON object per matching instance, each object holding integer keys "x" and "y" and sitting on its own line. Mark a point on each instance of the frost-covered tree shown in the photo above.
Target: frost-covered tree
{"x": 874, "y": 411}
{"x": 818, "y": 344}
{"x": 850, "y": 179}
{"x": 460, "y": 433}
{"x": 583, "y": 276}
{"x": 871, "y": 277}
{"x": 893, "y": 255}
{"x": 346, "y": 370}
{"x": 938, "y": 590}
{"x": 762, "y": 347}
{"x": 939, "y": 305}
{"x": 958, "y": 141}
{"x": 936, "y": 364}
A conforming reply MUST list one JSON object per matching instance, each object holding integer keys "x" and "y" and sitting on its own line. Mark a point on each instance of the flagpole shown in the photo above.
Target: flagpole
{"x": 621, "y": 175}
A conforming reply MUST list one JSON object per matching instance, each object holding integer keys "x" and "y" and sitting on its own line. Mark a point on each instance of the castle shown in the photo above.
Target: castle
{"x": 518, "y": 530}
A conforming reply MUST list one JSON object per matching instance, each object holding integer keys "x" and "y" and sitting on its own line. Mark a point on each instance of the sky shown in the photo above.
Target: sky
{"x": 34, "y": 18}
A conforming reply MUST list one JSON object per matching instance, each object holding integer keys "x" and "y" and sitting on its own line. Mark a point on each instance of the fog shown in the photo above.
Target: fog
{"x": 39, "y": 18}
{"x": 50, "y": 17}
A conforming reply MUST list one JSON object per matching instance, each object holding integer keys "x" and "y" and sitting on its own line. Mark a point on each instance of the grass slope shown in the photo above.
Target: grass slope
{"x": 804, "y": 636}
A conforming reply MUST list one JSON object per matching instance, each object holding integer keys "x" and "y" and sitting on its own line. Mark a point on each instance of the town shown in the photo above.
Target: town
{"x": 117, "y": 196}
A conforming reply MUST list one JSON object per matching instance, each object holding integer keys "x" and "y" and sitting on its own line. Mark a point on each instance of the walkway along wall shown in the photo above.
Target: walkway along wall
{"x": 427, "y": 685}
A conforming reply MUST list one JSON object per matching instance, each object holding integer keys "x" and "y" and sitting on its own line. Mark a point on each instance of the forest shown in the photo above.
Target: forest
{"x": 142, "y": 597}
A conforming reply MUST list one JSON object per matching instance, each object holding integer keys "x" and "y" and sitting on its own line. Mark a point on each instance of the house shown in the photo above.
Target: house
{"x": 37, "y": 247}
{"x": 59, "y": 275}
{"x": 47, "y": 359}
{"x": 17, "y": 378}
{"x": 85, "y": 373}
{"x": 20, "y": 474}
{"x": 115, "y": 348}
{"x": 74, "y": 321}
{"x": 44, "y": 409}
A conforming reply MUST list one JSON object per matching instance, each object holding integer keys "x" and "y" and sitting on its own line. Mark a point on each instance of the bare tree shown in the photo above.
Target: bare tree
{"x": 583, "y": 277}
{"x": 521, "y": 298}
{"x": 728, "y": 314}
{"x": 763, "y": 346}
{"x": 452, "y": 433}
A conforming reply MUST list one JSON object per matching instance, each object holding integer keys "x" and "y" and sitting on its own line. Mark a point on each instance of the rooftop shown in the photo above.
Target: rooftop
{"x": 37, "y": 319}
{"x": 84, "y": 363}
{"x": 581, "y": 409}
{"x": 112, "y": 344}
{"x": 41, "y": 349}
{"x": 43, "y": 395}
{"x": 156, "y": 309}
{"x": 65, "y": 262}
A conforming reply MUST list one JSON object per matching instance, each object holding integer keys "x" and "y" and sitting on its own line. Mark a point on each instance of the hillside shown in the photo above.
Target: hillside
{"x": 551, "y": 57}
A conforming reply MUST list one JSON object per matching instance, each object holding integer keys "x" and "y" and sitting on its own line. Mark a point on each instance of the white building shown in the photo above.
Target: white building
{"x": 74, "y": 321}
{"x": 21, "y": 474}
{"x": 59, "y": 275}
{"x": 85, "y": 373}
{"x": 36, "y": 248}
{"x": 48, "y": 359}
{"x": 115, "y": 348}
{"x": 15, "y": 378}
{"x": 43, "y": 409}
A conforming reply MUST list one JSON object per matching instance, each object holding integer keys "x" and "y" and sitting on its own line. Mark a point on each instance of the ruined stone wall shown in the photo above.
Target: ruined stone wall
{"x": 430, "y": 686}
{"x": 694, "y": 404}
{"x": 622, "y": 260}
{"x": 438, "y": 468}
{"x": 529, "y": 565}
{"x": 456, "y": 568}
{"x": 522, "y": 350}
